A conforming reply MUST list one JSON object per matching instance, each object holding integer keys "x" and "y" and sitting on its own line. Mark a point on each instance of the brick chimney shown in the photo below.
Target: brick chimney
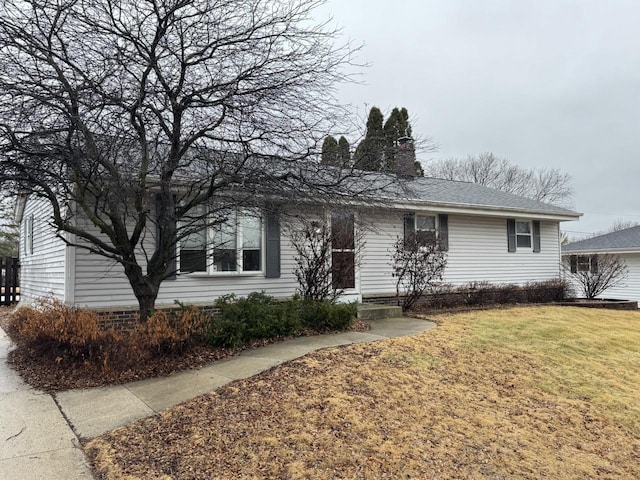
{"x": 405, "y": 157}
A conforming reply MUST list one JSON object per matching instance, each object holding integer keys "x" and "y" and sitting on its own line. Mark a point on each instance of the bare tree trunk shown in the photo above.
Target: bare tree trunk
{"x": 145, "y": 289}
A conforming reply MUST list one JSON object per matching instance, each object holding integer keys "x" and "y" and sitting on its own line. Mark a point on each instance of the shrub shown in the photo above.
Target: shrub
{"x": 258, "y": 316}
{"x": 60, "y": 332}
{"x": 480, "y": 293}
{"x": 170, "y": 334}
{"x": 555, "y": 290}
{"x": 226, "y": 333}
{"x": 327, "y": 315}
{"x": 508, "y": 294}
{"x": 54, "y": 329}
{"x": 418, "y": 267}
{"x": 484, "y": 293}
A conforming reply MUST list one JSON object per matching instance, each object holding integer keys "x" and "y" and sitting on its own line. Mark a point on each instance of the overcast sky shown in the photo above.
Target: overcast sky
{"x": 546, "y": 83}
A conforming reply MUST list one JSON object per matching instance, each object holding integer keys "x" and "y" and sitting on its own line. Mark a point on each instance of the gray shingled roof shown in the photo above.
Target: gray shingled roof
{"x": 629, "y": 238}
{"x": 308, "y": 177}
{"x": 450, "y": 192}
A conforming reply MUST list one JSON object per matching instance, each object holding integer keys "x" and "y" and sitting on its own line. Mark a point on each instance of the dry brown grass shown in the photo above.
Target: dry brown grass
{"x": 520, "y": 393}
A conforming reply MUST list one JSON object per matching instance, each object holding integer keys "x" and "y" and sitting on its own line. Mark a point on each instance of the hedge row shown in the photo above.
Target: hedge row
{"x": 59, "y": 332}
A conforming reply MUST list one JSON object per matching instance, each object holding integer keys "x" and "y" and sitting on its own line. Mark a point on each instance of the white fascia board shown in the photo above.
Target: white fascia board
{"x": 592, "y": 251}
{"x": 483, "y": 210}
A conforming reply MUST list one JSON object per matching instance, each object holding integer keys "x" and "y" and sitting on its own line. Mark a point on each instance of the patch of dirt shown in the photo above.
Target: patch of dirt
{"x": 51, "y": 376}
{"x": 426, "y": 406}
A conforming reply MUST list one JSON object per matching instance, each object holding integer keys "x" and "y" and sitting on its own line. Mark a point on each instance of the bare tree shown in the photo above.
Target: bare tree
{"x": 129, "y": 115}
{"x": 621, "y": 224}
{"x": 327, "y": 254}
{"x": 596, "y": 273}
{"x": 545, "y": 185}
{"x": 8, "y": 229}
{"x": 417, "y": 267}
{"x": 616, "y": 226}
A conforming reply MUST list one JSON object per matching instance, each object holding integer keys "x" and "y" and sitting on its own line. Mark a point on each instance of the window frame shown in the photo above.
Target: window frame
{"x": 582, "y": 261}
{"x": 210, "y": 231}
{"x": 528, "y": 235}
{"x": 534, "y": 235}
{"x": 436, "y": 230}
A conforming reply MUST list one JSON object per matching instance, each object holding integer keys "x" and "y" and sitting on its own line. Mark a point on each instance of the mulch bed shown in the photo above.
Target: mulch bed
{"x": 57, "y": 375}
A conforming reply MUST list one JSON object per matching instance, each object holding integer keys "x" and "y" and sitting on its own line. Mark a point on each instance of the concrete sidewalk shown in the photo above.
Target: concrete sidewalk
{"x": 37, "y": 442}
{"x": 92, "y": 412}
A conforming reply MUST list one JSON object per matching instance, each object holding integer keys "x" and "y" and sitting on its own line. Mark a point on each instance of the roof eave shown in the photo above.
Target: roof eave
{"x": 588, "y": 251}
{"x": 477, "y": 209}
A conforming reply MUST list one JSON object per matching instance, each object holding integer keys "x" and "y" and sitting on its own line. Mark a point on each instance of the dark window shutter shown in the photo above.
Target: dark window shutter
{"x": 573, "y": 263}
{"x": 536, "y": 235}
{"x": 171, "y": 269}
{"x": 409, "y": 226}
{"x": 594, "y": 264}
{"x": 511, "y": 234}
{"x": 443, "y": 230}
{"x": 272, "y": 246}
{"x": 343, "y": 231}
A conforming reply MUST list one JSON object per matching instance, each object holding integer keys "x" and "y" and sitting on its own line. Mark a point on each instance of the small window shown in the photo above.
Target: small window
{"x": 422, "y": 228}
{"x": 583, "y": 263}
{"x": 250, "y": 230}
{"x": 225, "y": 241}
{"x": 523, "y": 234}
{"x": 193, "y": 248}
{"x": 28, "y": 235}
{"x": 237, "y": 243}
{"x": 425, "y": 223}
{"x": 426, "y": 229}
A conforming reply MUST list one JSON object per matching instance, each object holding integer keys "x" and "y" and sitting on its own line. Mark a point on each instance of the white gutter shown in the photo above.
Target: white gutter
{"x": 472, "y": 209}
{"x": 593, "y": 251}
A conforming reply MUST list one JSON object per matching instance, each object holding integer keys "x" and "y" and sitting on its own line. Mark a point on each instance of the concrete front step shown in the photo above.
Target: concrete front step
{"x": 370, "y": 311}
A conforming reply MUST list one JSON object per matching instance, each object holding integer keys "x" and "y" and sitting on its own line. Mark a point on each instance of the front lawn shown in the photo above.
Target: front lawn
{"x": 515, "y": 393}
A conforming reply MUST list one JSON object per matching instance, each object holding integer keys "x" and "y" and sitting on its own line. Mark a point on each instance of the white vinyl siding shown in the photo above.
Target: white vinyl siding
{"x": 477, "y": 252}
{"x": 101, "y": 283}
{"x": 42, "y": 254}
{"x": 630, "y": 288}
{"x": 381, "y": 232}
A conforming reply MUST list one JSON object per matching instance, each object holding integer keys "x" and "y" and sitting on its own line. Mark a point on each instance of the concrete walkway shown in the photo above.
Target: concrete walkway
{"x": 36, "y": 441}
{"x": 39, "y": 443}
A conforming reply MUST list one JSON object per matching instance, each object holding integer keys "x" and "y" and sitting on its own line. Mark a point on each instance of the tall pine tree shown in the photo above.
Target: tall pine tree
{"x": 334, "y": 152}
{"x": 397, "y": 126}
{"x": 330, "y": 151}
{"x": 344, "y": 150}
{"x": 369, "y": 154}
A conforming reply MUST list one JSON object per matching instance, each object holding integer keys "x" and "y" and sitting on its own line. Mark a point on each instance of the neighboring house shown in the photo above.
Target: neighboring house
{"x": 490, "y": 236}
{"x": 582, "y": 256}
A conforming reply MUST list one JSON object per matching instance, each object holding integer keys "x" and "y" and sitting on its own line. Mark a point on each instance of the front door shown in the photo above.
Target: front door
{"x": 343, "y": 253}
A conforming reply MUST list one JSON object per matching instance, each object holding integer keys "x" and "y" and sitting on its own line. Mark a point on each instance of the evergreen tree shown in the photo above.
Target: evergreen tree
{"x": 330, "y": 151}
{"x": 344, "y": 151}
{"x": 370, "y": 152}
{"x": 397, "y": 126}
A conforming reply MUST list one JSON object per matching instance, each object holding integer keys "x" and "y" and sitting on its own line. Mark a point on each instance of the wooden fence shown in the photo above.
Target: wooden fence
{"x": 9, "y": 280}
